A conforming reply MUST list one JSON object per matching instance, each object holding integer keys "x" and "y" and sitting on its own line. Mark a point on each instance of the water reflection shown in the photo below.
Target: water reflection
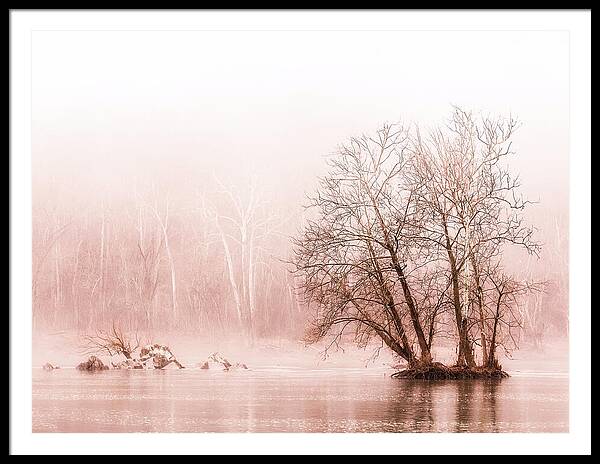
{"x": 413, "y": 408}
{"x": 478, "y": 406}
{"x": 489, "y": 405}
{"x": 465, "y": 403}
{"x": 448, "y": 406}
{"x": 293, "y": 401}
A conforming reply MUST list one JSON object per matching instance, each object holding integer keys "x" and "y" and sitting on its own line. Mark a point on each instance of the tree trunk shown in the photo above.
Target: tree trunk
{"x": 74, "y": 301}
{"x": 173, "y": 288}
{"x": 251, "y": 293}
{"x": 102, "y": 259}
{"x": 251, "y": 288}
{"x": 484, "y": 349}
{"x": 403, "y": 349}
{"x": 397, "y": 347}
{"x": 164, "y": 225}
{"x": 245, "y": 274}
{"x": 414, "y": 316}
{"x": 465, "y": 355}
{"x": 57, "y": 283}
{"x": 491, "y": 359}
{"x": 390, "y": 305}
{"x": 230, "y": 273}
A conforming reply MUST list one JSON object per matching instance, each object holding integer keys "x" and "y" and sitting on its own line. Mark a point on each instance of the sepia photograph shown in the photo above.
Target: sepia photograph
{"x": 359, "y": 230}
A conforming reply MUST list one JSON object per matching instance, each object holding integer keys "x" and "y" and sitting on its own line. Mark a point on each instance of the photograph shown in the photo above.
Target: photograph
{"x": 258, "y": 225}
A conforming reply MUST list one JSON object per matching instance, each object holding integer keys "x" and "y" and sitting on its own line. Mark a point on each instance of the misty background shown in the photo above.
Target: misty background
{"x": 170, "y": 167}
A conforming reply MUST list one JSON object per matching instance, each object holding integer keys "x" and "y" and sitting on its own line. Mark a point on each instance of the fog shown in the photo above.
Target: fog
{"x": 170, "y": 168}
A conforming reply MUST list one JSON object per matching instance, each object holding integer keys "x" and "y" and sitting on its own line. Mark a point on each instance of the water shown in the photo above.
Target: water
{"x": 273, "y": 399}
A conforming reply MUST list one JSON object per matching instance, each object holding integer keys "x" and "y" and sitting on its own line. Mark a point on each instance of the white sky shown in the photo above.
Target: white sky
{"x": 182, "y": 102}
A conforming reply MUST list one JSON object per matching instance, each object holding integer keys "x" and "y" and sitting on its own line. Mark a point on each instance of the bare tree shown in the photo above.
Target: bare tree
{"x": 473, "y": 207}
{"x": 243, "y": 229}
{"x": 407, "y": 227}
{"x": 353, "y": 257}
{"x": 146, "y": 276}
{"x": 111, "y": 342}
{"x": 503, "y": 315}
{"x": 40, "y": 254}
{"x": 163, "y": 222}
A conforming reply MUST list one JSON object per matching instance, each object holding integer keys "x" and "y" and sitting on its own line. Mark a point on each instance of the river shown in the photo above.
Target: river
{"x": 279, "y": 399}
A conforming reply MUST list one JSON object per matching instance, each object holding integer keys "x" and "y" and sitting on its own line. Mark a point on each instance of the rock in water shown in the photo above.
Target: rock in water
{"x": 128, "y": 364}
{"x": 160, "y": 356}
{"x": 49, "y": 367}
{"x": 92, "y": 364}
{"x": 217, "y": 358}
{"x": 216, "y": 361}
{"x": 160, "y": 361}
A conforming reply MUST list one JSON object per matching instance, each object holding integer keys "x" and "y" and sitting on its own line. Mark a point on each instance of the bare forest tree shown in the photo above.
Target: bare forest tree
{"x": 244, "y": 232}
{"x": 148, "y": 262}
